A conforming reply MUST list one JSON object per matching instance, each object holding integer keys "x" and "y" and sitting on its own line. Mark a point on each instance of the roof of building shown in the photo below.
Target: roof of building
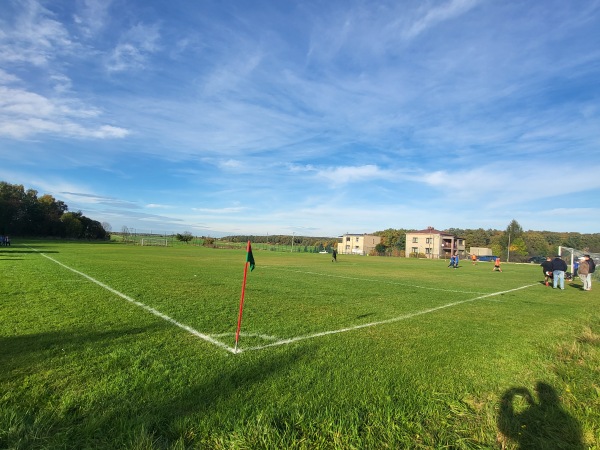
{"x": 431, "y": 230}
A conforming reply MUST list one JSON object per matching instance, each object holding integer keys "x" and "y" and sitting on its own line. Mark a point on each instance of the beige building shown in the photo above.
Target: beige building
{"x": 480, "y": 251}
{"x": 357, "y": 244}
{"x": 434, "y": 244}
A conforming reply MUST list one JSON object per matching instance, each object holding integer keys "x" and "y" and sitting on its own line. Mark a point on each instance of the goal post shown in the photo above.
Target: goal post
{"x": 156, "y": 242}
{"x": 572, "y": 254}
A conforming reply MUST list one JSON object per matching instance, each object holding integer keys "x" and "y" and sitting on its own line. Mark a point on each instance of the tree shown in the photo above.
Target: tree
{"x": 513, "y": 232}
{"x": 518, "y": 250}
{"x": 72, "y": 225}
{"x": 380, "y": 249}
{"x": 477, "y": 238}
{"x": 185, "y": 237}
{"x": 536, "y": 243}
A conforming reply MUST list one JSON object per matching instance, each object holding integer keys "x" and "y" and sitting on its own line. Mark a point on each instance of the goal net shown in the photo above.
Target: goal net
{"x": 159, "y": 242}
{"x": 572, "y": 254}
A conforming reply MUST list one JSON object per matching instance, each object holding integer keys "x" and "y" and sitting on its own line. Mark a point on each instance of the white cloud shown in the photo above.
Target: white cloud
{"x": 35, "y": 37}
{"x": 438, "y": 14}
{"x": 92, "y": 16}
{"x": 343, "y": 175}
{"x": 134, "y": 49}
{"x": 25, "y": 114}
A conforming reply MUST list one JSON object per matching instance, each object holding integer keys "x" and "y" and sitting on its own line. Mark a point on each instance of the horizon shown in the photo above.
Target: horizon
{"x": 305, "y": 118}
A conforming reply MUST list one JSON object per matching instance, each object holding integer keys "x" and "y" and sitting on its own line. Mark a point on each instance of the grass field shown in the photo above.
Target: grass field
{"x": 113, "y": 346}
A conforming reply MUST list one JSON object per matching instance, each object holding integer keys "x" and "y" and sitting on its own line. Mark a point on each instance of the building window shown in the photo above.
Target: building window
{"x": 427, "y": 251}
{"x": 415, "y": 250}
{"x": 428, "y": 240}
{"x": 415, "y": 240}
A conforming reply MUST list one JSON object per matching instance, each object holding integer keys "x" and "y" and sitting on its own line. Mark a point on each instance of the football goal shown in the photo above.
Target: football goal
{"x": 160, "y": 242}
{"x": 571, "y": 255}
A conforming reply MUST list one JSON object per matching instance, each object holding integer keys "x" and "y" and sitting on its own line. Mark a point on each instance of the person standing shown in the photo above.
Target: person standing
{"x": 474, "y": 259}
{"x": 497, "y": 265}
{"x": 334, "y": 255}
{"x": 592, "y": 265}
{"x": 584, "y": 273}
{"x": 547, "y": 269}
{"x": 559, "y": 268}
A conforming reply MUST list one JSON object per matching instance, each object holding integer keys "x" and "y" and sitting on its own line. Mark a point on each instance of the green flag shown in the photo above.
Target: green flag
{"x": 250, "y": 257}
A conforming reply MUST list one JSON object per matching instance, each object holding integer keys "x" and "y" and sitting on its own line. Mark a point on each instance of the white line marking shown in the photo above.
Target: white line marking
{"x": 213, "y": 341}
{"x": 382, "y": 322}
{"x": 372, "y": 279}
{"x": 146, "y": 307}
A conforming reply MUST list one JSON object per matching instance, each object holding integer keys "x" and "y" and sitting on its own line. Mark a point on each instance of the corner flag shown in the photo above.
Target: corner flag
{"x": 250, "y": 257}
{"x": 249, "y": 261}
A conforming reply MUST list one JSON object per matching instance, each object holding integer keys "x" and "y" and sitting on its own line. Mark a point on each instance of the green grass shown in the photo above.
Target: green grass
{"x": 81, "y": 367}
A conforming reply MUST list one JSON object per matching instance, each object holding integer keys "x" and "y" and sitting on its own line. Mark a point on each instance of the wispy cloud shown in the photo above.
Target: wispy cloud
{"x": 134, "y": 48}
{"x": 306, "y": 116}
{"x": 440, "y": 13}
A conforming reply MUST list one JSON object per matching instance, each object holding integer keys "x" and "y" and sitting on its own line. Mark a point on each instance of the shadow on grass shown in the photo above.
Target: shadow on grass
{"x": 20, "y": 352}
{"x": 149, "y": 404}
{"x": 25, "y": 251}
{"x": 542, "y": 424}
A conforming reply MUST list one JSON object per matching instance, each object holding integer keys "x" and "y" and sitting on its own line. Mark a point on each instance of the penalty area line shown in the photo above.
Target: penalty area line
{"x": 145, "y": 307}
{"x": 375, "y": 280}
{"x": 381, "y": 322}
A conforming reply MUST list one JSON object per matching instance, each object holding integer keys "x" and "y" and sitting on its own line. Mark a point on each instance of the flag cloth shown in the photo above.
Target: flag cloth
{"x": 250, "y": 257}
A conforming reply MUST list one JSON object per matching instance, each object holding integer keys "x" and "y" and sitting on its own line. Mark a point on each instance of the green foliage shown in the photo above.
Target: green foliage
{"x": 22, "y": 213}
{"x": 185, "y": 237}
{"x": 534, "y": 243}
{"x": 380, "y": 249}
{"x": 81, "y": 367}
{"x": 518, "y": 250}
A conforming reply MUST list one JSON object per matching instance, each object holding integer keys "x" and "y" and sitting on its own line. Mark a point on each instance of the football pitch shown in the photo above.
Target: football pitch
{"x": 107, "y": 346}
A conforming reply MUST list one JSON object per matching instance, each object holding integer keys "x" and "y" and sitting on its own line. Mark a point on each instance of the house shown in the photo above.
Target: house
{"x": 357, "y": 244}
{"x": 434, "y": 244}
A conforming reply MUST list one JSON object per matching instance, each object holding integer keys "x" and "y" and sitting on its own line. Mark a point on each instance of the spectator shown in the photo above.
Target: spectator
{"x": 547, "y": 269}
{"x": 559, "y": 267}
{"x": 592, "y": 265}
{"x": 584, "y": 273}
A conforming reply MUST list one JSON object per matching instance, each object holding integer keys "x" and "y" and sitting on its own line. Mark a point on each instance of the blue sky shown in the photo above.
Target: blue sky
{"x": 307, "y": 117}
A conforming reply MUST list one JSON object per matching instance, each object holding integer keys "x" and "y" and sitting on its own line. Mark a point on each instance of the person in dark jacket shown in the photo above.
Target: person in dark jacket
{"x": 559, "y": 268}
{"x": 592, "y": 265}
{"x": 547, "y": 269}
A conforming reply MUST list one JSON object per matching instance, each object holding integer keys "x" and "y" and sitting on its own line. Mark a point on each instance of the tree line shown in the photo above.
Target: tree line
{"x": 513, "y": 241}
{"x": 283, "y": 239}
{"x": 24, "y": 213}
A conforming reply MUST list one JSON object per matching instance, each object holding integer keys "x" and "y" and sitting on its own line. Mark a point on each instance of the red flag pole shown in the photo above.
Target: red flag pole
{"x": 239, "y": 325}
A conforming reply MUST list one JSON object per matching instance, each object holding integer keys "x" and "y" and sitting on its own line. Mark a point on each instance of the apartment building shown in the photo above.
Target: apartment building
{"x": 357, "y": 244}
{"x": 434, "y": 244}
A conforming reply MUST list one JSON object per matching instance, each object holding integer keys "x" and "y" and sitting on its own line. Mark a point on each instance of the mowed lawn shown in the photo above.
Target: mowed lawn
{"x": 114, "y": 346}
